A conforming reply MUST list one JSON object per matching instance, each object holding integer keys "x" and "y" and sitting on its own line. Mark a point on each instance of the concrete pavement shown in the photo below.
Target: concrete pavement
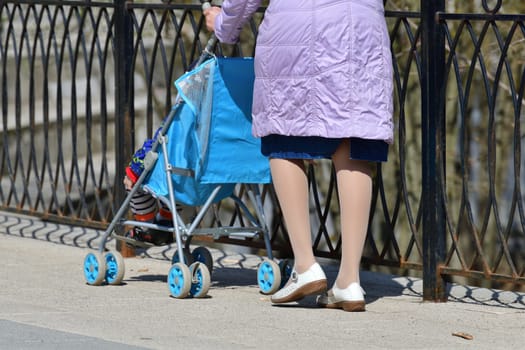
{"x": 46, "y": 304}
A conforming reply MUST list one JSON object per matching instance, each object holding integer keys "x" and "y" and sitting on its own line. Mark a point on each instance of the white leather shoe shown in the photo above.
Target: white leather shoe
{"x": 352, "y": 298}
{"x": 299, "y": 285}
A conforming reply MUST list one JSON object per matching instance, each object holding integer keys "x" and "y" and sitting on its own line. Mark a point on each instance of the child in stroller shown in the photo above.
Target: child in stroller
{"x": 143, "y": 205}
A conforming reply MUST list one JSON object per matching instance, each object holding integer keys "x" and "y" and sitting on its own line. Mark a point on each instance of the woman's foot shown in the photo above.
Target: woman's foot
{"x": 352, "y": 298}
{"x": 312, "y": 281}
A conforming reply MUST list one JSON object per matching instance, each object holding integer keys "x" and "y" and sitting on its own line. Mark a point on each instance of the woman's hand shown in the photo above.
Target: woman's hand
{"x": 210, "y": 13}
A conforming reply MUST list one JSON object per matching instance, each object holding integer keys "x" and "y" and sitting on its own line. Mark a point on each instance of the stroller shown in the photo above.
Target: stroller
{"x": 203, "y": 151}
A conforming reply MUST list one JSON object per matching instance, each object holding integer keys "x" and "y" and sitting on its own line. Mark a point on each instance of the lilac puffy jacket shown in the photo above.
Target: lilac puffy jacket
{"x": 322, "y": 68}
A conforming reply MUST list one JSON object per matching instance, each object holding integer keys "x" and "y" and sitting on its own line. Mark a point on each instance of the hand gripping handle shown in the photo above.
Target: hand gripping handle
{"x": 212, "y": 41}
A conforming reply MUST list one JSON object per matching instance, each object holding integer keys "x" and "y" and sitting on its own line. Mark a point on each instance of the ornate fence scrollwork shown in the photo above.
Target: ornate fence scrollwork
{"x": 491, "y": 8}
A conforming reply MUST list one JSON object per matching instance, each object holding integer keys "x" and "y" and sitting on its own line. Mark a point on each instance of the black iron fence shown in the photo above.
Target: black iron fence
{"x": 84, "y": 82}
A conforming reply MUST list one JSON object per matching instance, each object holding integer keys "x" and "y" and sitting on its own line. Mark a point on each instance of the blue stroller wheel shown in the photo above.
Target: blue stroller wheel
{"x": 203, "y": 255}
{"x": 94, "y": 269}
{"x": 179, "y": 280}
{"x": 188, "y": 258}
{"x": 269, "y": 277}
{"x": 114, "y": 267}
{"x": 200, "y": 280}
{"x": 286, "y": 268}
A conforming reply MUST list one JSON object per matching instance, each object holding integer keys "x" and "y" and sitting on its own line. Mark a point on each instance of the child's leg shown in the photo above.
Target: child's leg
{"x": 143, "y": 206}
{"x": 164, "y": 213}
{"x": 291, "y": 185}
{"x": 355, "y": 194}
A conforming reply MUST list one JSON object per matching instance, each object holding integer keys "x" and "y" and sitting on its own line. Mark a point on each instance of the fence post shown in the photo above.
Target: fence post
{"x": 433, "y": 148}
{"x": 123, "y": 44}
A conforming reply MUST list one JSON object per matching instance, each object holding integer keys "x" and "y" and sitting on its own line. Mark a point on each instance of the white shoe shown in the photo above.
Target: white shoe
{"x": 352, "y": 298}
{"x": 312, "y": 281}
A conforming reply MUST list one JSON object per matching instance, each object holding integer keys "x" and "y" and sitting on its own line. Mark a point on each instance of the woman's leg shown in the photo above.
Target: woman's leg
{"x": 354, "y": 182}
{"x": 291, "y": 185}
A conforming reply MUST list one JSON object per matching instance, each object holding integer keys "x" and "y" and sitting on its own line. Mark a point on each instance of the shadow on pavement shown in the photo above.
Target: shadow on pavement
{"x": 238, "y": 269}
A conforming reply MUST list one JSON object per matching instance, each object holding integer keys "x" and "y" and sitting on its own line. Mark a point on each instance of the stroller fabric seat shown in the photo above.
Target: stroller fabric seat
{"x": 210, "y": 134}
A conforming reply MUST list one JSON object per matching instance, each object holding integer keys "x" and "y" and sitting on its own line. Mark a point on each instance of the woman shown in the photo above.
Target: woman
{"x": 323, "y": 89}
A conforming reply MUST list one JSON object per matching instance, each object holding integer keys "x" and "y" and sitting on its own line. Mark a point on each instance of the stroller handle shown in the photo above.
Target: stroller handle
{"x": 206, "y": 4}
{"x": 212, "y": 41}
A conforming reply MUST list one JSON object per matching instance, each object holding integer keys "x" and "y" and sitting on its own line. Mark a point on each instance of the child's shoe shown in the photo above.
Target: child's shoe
{"x": 159, "y": 237}
{"x": 156, "y": 237}
{"x": 139, "y": 234}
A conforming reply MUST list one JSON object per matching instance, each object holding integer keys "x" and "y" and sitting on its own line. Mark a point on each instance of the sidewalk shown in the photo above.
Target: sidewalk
{"x": 46, "y": 304}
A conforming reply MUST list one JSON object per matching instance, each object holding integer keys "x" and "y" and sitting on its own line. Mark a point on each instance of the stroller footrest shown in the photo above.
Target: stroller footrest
{"x": 231, "y": 232}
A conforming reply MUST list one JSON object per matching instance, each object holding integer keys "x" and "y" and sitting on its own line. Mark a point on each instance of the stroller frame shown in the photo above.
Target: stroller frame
{"x": 194, "y": 280}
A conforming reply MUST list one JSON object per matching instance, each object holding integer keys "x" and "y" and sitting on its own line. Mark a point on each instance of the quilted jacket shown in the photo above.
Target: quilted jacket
{"x": 322, "y": 67}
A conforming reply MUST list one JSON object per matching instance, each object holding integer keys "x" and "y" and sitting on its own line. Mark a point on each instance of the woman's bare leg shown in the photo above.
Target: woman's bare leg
{"x": 290, "y": 181}
{"x": 354, "y": 182}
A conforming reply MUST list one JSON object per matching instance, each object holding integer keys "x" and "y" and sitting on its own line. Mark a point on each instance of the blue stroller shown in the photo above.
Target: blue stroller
{"x": 203, "y": 151}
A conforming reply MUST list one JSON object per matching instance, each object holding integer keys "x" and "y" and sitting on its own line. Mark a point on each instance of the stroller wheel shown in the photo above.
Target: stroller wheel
{"x": 94, "y": 269}
{"x": 269, "y": 277}
{"x": 200, "y": 280}
{"x": 179, "y": 280}
{"x": 203, "y": 255}
{"x": 286, "y": 267}
{"x": 114, "y": 267}
{"x": 188, "y": 258}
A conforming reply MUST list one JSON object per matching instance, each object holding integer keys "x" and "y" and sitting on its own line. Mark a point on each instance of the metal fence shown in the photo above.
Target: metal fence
{"x": 84, "y": 82}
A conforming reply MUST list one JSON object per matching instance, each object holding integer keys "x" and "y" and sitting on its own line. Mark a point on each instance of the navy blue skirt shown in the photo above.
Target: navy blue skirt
{"x": 314, "y": 147}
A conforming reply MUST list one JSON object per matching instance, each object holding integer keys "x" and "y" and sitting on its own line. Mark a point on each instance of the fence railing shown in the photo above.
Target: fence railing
{"x": 83, "y": 83}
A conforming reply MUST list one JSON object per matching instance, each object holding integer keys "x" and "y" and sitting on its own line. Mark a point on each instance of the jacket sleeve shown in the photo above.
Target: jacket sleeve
{"x": 234, "y": 15}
